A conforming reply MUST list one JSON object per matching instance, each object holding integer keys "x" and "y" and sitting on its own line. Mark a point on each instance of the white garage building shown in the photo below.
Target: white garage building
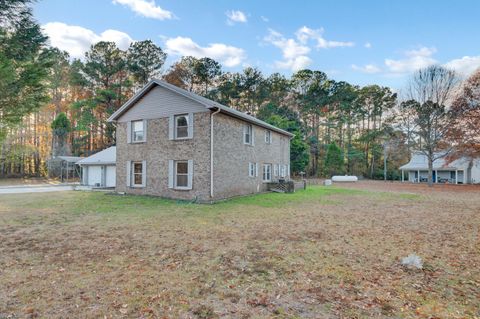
{"x": 99, "y": 170}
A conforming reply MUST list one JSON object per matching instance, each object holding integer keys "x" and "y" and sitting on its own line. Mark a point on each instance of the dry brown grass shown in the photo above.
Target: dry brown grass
{"x": 321, "y": 253}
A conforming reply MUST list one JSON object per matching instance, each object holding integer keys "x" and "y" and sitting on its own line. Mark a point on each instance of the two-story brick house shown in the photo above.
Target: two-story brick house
{"x": 177, "y": 144}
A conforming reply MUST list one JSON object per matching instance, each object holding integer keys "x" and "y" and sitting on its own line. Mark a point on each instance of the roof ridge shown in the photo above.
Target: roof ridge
{"x": 196, "y": 97}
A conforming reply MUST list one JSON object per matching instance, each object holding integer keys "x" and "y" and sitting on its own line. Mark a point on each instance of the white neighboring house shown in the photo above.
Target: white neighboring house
{"x": 460, "y": 171}
{"x": 99, "y": 169}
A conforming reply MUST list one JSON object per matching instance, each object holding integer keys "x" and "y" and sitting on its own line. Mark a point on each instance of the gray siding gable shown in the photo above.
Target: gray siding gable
{"x": 160, "y": 102}
{"x": 208, "y": 104}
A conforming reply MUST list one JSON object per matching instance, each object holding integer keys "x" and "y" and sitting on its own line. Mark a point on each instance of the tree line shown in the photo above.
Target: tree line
{"x": 53, "y": 105}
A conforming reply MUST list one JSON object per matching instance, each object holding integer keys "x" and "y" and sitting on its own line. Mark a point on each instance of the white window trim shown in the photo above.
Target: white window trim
{"x": 132, "y": 172}
{"x": 132, "y": 131}
{"x": 175, "y": 127}
{"x": 268, "y": 137}
{"x": 247, "y": 127}
{"x": 172, "y": 127}
{"x": 283, "y": 171}
{"x": 175, "y": 163}
{"x": 251, "y": 169}
{"x": 264, "y": 173}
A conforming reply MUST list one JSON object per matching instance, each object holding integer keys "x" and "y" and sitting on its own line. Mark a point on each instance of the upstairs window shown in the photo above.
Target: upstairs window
{"x": 248, "y": 134}
{"x": 137, "y": 131}
{"x": 268, "y": 136}
{"x": 181, "y": 126}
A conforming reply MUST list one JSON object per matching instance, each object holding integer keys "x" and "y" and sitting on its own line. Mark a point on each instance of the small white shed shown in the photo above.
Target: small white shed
{"x": 99, "y": 169}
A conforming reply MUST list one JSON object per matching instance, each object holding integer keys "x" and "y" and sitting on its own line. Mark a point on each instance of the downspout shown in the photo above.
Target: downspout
{"x": 211, "y": 151}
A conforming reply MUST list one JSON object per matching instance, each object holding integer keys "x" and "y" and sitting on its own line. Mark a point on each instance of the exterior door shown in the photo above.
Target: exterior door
{"x": 110, "y": 178}
{"x": 94, "y": 175}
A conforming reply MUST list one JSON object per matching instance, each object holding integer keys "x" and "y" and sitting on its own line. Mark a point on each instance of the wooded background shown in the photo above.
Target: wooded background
{"x": 53, "y": 105}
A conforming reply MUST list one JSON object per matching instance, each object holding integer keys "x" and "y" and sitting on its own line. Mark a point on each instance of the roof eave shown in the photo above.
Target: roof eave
{"x": 96, "y": 163}
{"x": 204, "y": 101}
{"x": 244, "y": 117}
{"x": 114, "y": 117}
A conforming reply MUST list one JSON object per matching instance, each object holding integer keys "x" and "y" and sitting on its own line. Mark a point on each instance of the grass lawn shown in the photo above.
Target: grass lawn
{"x": 326, "y": 252}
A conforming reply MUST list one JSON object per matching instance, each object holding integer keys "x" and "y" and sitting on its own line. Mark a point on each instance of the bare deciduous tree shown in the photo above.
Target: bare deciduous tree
{"x": 464, "y": 132}
{"x": 431, "y": 91}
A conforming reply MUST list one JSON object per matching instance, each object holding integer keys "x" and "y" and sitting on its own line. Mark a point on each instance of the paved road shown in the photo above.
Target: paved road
{"x": 35, "y": 189}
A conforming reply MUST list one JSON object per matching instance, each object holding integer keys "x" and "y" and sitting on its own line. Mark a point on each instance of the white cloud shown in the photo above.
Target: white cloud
{"x": 465, "y": 65}
{"x": 264, "y": 19}
{"x": 146, "y": 8}
{"x": 229, "y": 56}
{"x": 368, "y": 68}
{"x": 77, "y": 40}
{"x": 295, "y": 50}
{"x": 414, "y": 60}
{"x": 368, "y": 45}
{"x": 294, "y": 53}
{"x": 418, "y": 59}
{"x": 295, "y": 64}
{"x": 235, "y": 16}
{"x": 305, "y": 33}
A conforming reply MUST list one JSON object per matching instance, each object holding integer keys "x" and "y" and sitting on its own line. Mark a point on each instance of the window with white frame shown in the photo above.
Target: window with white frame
{"x": 181, "y": 126}
{"x": 283, "y": 170}
{"x": 268, "y": 136}
{"x": 137, "y": 131}
{"x": 248, "y": 134}
{"x": 267, "y": 172}
{"x": 251, "y": 169}
{"x": 181, "y": 174}
{"x": 137, "y": 174}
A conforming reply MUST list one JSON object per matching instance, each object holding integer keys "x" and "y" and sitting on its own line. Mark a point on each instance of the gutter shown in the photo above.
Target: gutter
{"x": 204, "y": 101}
{"x": 250, "y": 119}
{"x": 211, "y": 150}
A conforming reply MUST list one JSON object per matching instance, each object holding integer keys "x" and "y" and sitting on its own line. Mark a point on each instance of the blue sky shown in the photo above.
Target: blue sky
{"x": 362, "y": 42}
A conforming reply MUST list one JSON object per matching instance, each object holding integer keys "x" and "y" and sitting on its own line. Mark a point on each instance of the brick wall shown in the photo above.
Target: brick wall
{"x": 231, "y": 158}
{"x": 158, "y": 149}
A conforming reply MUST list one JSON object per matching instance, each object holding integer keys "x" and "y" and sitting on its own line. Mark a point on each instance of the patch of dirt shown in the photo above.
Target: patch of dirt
{"x": 338, "y": 258}
{"x": 416, "y": 188}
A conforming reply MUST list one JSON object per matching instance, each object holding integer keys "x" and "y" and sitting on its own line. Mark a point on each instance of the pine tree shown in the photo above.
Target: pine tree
{"x": 334, "y": 161}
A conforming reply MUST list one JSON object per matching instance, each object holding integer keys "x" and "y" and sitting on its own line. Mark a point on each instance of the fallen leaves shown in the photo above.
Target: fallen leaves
{"x": 339, "y": 260}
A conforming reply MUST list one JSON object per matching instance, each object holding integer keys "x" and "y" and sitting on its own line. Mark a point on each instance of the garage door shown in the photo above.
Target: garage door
{"x": 94, "y": 175}
{"x": 110, "y": 178}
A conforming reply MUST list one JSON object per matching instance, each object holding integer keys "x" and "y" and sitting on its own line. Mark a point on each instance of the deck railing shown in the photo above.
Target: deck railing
{"x": 287, "y": 186}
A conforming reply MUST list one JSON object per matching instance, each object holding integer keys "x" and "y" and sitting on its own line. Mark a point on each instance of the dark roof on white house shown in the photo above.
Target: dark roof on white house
{"x": 212, "y": 105}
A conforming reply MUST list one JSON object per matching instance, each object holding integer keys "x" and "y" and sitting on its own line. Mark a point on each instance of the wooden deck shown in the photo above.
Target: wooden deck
{"x": 287, "y": 186}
